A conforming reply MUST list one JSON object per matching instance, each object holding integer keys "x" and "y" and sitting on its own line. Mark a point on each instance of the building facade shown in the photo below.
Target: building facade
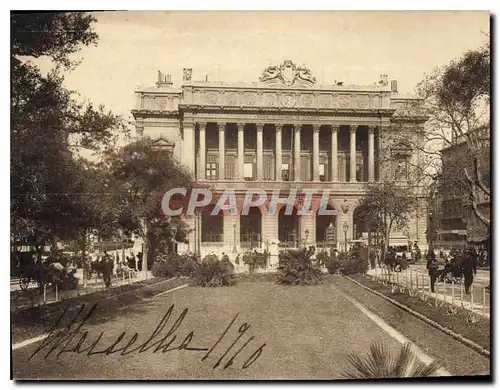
{"x": 280, "y": 133}
{"x": 457, "y": 223}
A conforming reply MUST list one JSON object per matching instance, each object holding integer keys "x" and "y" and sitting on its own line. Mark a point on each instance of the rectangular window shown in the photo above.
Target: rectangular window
{"x": 211, "y": 171}
{"x": 322, "y": 176}
{"x": 230, "y": 167}
{"x": 248, "y": 171}
{"x": 305, "y": 168}
{"x": 285, "y": 172}
{"x": 268, "y": 161}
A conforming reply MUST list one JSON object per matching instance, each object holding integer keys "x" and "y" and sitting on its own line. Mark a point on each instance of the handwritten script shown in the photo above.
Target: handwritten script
{"x": 73, "y": 339}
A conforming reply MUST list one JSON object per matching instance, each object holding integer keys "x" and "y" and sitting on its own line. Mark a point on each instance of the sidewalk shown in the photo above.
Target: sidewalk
{"x": 453, "y": 293}
{"x": 32, "y": 297}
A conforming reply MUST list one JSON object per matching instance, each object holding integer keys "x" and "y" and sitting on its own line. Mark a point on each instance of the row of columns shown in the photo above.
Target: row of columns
{"x": 296, "y": 151}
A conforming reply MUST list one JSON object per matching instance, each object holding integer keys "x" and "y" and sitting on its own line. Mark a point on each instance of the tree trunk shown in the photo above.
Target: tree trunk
{"x": 83, "y": 248}
{"x": 53, "y": 248}
{"x": 146, "y": 248}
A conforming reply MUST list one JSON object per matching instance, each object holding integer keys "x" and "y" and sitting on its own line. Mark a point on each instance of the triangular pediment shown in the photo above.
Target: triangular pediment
{"x": 163, "y": 143}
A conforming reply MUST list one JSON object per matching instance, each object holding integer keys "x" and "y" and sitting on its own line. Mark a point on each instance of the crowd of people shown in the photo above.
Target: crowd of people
{"x": 458, "y": 264}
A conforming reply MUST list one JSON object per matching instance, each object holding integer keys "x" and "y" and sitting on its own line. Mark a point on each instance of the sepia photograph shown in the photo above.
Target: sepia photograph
{"x": 250, "y": 195}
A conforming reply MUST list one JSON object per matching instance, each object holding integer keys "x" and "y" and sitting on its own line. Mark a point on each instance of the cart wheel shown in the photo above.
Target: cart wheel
{"x": 24, "y": 282}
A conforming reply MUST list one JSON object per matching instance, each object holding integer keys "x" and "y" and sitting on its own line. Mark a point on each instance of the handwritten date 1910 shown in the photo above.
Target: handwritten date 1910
{"x": 72, "y": 339}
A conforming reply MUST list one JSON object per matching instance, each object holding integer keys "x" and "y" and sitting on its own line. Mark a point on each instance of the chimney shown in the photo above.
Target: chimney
{"x": 394, "y": 86}
{"x": 164, "y": 80}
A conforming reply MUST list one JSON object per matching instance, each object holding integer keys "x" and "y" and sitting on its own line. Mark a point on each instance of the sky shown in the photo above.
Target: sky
{"x": 353, "y": 47}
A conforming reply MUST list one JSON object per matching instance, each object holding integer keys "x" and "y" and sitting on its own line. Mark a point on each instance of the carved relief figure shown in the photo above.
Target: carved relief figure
{"x": 305, "y": 74}
{"x": 271, "y": 72}
{"x": 287, "y": 74}
{"x": 187, "y": 74}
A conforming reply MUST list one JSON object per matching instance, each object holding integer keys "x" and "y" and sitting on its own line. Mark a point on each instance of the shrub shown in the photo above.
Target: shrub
{"x": 381, "y": 362}
{"x": 353, "y": 263}
{"x": 173, "y": 265}
{"x": 322, "y": 258}
{"x": 213, "y": 272}
{"x": 297, "y": 267}
{"x": 333, "y": 264}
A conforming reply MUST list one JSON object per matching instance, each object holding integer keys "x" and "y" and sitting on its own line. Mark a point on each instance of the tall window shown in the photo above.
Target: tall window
{"x": 322, "y": 176}
{"x": 248, "y": 168}
{"x": 285, "y": 172}
{"x": 211, "y": 171}
{"x": 212, "y": 227}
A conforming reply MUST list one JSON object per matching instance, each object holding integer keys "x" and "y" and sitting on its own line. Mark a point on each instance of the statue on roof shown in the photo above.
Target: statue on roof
{"x": 287, "y": 74}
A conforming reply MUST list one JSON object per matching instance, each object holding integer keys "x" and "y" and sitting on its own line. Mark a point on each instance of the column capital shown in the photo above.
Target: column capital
{"x": 334, "y": 128}
{"x": 316, "y": 128}
{"x": 352, "y": 129}
{"x": 221, "y": 125}
{"x": 241, "y": 126}
{"x": 202, "y": 125}
{"x": 297, "y": 127}
{"x": 371, "y": 129}
{"x": 279, "y": 126}
{"x": 259, "y": 126}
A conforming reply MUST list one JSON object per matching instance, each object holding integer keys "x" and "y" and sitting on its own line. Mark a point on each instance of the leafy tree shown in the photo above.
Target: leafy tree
{"x": 48, "y": 125}
{"x": 458, "y": 100}
{"x": 141, "y": 175}
{"x": 386, "y": 205}
{"x": 457, "y": 106}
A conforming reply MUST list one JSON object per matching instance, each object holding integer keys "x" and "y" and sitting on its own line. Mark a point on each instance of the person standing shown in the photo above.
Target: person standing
{"x": 139, "y": 261}
{"x": 432, "y": 267}
{"x": 469, "y": 268}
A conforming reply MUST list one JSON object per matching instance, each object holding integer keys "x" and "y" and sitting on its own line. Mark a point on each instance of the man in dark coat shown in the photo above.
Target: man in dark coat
{"x": 139, "y": 261}
{"x": 432, "y": 267}
{"x": 469, "y": 268}
{"x": 107, "y": 264}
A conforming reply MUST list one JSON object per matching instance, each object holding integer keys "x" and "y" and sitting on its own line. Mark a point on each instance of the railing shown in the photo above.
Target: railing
{"x": 250, "y": 240}
{"x": 452, "y": 292}
{"x": 212, "y": 237}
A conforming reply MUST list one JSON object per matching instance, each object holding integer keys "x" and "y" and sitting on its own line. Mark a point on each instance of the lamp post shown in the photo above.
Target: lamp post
{"x": 173, "y": 231}
{"x": 234, "y": 238}
{"x": 306, "y": 234}
{"x": 345, "y": 226}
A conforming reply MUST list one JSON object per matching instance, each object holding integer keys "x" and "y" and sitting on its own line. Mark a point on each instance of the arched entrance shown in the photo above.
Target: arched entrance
{"x": 326, "y": 237}
{"x": 212, "y": 226}
{"x": 288, "y": 228}
{"x": 251, "y": 229}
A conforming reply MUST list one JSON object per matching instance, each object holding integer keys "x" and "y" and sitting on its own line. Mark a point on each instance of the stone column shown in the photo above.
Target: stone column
{"x": 371, "y": 154}
{"x": 352, "y": 154}
{"x": 241, "y": 151}
{"x": 278, "y": 160}
{"x": 333, "y": 153}
{"x": 222, "y": 151}
{"x": 315, "y": 152}
{"x": 260, "y": 152}
{"x": 296, "y": 153}
{"x": 188, "y": 145}
{"x": 203, "y": 160}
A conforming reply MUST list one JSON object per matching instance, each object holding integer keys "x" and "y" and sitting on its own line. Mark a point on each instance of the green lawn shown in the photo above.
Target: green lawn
{"x": 307, "y": 331}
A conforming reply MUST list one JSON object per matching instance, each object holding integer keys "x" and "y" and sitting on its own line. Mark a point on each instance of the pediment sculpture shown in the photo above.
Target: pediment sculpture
{"x": 287, "y": 74}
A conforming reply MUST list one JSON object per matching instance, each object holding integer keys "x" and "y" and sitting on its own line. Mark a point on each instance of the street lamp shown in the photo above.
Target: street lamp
{"x": 173, "y": 231}
{"x": 345, "y": 226}
{"x": 234, "y": 239}
{"x": 306, "y": 234}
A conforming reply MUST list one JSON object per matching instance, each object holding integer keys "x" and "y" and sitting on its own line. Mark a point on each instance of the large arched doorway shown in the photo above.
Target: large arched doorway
{"x": 251, "y": 229}
{"x": 326, "y": 236}
{"x": 288, "y": 228}
{"x": 212, "y": 226}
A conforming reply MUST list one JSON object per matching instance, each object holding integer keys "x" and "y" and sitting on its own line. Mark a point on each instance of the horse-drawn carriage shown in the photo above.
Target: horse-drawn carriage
{"x": 53, "y": 274}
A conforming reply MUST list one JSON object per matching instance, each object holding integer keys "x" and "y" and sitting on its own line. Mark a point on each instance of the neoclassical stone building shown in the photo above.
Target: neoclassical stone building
{"x": 280, "y": 132}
